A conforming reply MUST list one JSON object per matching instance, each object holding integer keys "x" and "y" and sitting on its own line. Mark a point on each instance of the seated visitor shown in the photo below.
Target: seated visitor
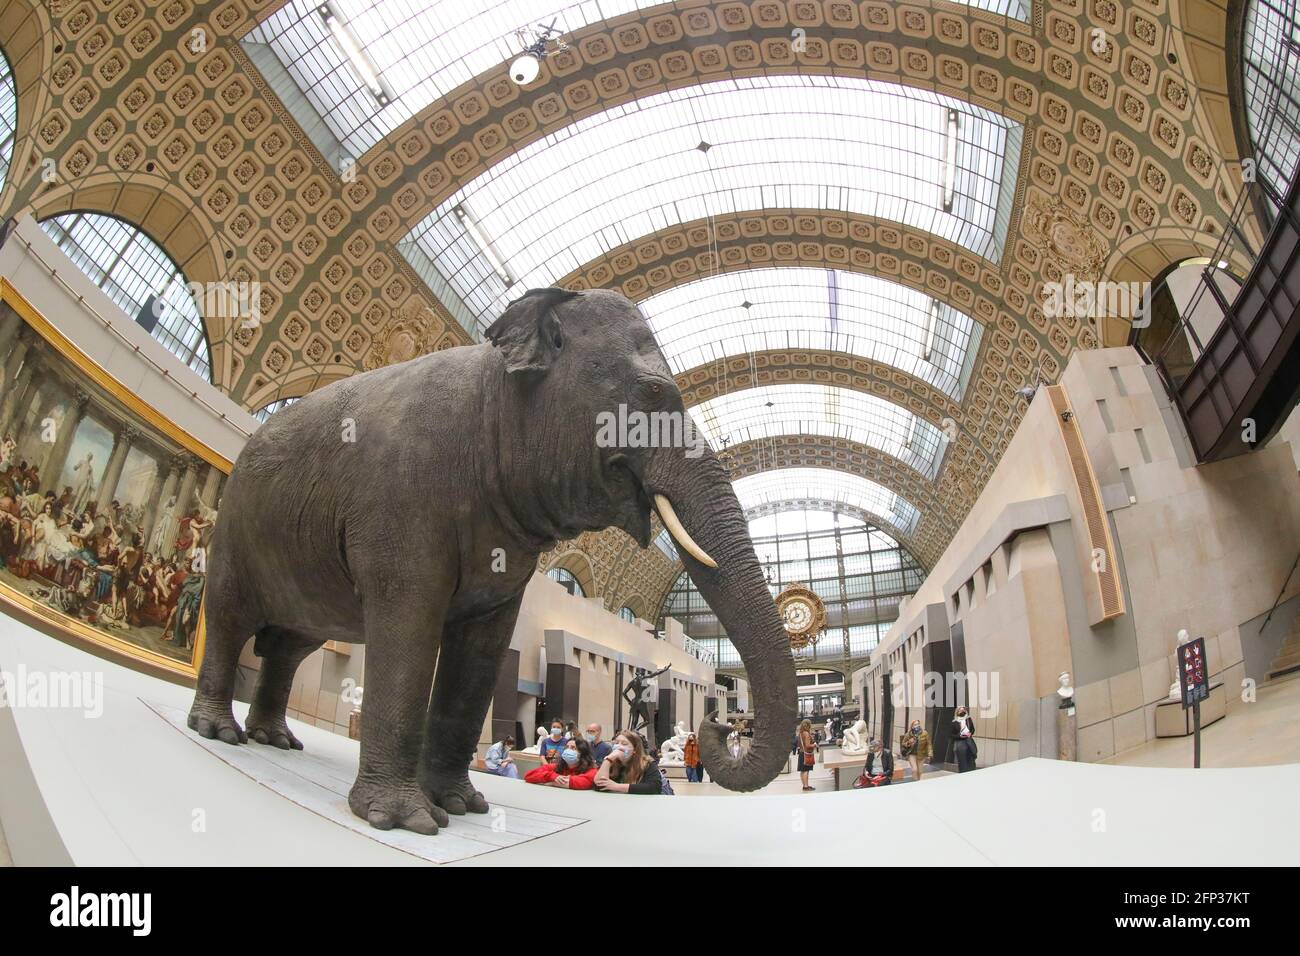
{"x": 555, "y": 742}
{"x": 880, "y": 765}
{"x": 571, "y": 768}
{"x": 497, "y": 760}
{"x": 629, "y": 768}
{"x": 599, "y": 748}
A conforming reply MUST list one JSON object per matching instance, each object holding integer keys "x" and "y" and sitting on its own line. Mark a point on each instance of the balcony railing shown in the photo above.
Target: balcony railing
{"x": 1224, "y": 353}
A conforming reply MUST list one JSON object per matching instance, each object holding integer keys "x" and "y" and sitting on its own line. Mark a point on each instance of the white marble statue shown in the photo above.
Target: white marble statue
{"x": 542, "y": 734}
{"x": 855, "y": 740}
{"x": 672, "y": 752}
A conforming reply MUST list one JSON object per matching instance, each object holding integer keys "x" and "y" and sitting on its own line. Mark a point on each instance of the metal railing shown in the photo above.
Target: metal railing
{"x": 1169, "y": 340}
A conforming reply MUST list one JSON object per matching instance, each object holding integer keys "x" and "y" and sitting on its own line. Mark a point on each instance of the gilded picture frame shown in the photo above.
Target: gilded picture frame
{"x": 150, "y": 428}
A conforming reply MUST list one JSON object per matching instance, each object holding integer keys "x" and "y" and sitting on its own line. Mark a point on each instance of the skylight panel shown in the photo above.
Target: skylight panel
{"x": 832, "y": 143}
{"x": 774, "y": 410}
{"x": 755, "y": 492}
{"x": 738, "y": 313}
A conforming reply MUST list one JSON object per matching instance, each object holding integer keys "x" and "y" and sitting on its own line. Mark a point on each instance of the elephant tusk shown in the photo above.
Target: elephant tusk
{"x": 674, "y": 526}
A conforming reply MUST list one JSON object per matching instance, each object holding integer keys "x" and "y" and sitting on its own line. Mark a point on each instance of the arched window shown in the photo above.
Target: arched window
{"x": 8, "y": 118}
{"x": 626, "y": 614}
{"x": 266, "y": 411}
{"x": 566, "y": 580}
{"x": 1271, "y": 84}
{"x": 142, "y": 279}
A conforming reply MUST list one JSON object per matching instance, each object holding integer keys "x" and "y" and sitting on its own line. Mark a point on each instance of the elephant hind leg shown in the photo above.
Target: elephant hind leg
{"x": 211, "y": 714}
{"x": 281, "y": 651}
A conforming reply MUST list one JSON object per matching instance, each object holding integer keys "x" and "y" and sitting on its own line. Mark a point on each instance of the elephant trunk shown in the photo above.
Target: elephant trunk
{"x": 703, "y": 506}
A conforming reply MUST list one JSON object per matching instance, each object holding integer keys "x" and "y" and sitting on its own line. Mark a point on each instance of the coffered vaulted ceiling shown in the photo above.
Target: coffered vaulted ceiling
{"x": 1116, "y": 118}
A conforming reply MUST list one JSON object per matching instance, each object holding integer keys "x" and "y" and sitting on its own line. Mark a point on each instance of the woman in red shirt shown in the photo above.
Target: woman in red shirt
{"x": 573, "y": 768}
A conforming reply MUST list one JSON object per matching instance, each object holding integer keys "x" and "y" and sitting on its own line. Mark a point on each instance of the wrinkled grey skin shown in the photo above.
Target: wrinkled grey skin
{"x": 390, "y": 541}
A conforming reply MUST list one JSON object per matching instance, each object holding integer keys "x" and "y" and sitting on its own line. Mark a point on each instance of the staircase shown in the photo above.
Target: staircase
{"x": 1287, "y": 660}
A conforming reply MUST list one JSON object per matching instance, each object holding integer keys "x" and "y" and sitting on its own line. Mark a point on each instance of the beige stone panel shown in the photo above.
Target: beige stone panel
{"x": 1232, "y": 678}
{"x": 310, "y": 673}
{"x": 325, "y": 704}
{"x": 1230, "y": 647}
{"x": 1130, "y": 730}
{"x": 1013, "y": 750}
{"x": 1097, "y": 741}
{"x": 1126, "y": 691}
{"x": 1093, "y": 702}
{"x": 1155, "y": 680}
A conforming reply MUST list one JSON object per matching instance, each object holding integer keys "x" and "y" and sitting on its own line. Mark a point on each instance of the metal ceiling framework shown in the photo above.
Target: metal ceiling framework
{"x": 1110, "y": 156}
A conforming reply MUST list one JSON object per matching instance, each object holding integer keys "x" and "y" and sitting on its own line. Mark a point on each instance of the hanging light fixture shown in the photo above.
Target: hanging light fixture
{"x": 484, "y": 247}
{"x": 950, "y": 161}
{"x": 360, "y": 63}
{"x": 528, "y": 65}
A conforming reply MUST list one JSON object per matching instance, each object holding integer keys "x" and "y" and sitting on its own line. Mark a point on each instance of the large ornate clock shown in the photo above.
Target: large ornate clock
{"x": 803, "y": 613}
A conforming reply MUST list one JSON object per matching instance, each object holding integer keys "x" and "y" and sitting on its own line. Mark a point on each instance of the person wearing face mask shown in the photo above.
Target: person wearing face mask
{"x": 628, "y": 768}
{"x": 915, "y": 746}
{"x": 551, "y": 744}
{"x": 572, "y": 768}
{"x": 599, "y": 748}
{"x": 963, "y": 732}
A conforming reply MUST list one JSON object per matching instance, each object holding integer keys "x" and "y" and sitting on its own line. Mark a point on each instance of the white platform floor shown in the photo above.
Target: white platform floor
{"x": 129, "y": 788}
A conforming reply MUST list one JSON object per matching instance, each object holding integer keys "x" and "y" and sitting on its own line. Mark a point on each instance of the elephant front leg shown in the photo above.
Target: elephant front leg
{"x": 401, "y": 648}
{"x": 467, "y": 672}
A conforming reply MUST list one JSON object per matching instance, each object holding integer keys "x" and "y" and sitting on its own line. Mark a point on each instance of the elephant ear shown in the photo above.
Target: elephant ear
{"x": 528, "y": 331}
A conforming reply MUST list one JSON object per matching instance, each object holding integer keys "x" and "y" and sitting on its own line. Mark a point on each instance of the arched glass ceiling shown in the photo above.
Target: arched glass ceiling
{"x": 421, "y": 51}
{"x": 772, "y": 410}
{"x": 735, "y": 313}
{"x": 1270, "y": 52}
{"x": 8, "y": 117}
{"x": 824, "y": 484}
{"x": 773, "y": 142}
{"x": 136, "y": 273}
{"x": 859, "y": 571}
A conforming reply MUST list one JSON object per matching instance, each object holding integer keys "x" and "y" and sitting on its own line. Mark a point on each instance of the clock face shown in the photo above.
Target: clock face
{"x": 802, "y": 613}
{"x": 798, "y": 614}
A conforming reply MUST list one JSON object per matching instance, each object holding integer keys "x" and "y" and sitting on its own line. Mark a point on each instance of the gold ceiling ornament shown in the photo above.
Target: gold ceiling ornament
{"x": 411, "y": 332}
{"x": 803, "y": 614}
{"x": 1064, "y": 236}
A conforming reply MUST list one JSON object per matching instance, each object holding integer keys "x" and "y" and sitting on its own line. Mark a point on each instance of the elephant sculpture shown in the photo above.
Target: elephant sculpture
{"x": 405, "y": 508}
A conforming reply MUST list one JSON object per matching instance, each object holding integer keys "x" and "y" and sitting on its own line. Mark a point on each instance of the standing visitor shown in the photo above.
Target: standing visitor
{"x": 963, "y": 731}
{"x": 691, "y": 758}
{"x": 807, "y": 753}
{"x": 915, "y": 746}
{"x": 497, "y": 760}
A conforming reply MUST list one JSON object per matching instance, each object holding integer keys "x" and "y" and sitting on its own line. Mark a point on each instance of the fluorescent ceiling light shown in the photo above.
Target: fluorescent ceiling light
{"x": 485, "y": 247}
{"x": 361, "y": 64}
{"x": 930, "y": 325}
{"x": 950, "y": 160}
